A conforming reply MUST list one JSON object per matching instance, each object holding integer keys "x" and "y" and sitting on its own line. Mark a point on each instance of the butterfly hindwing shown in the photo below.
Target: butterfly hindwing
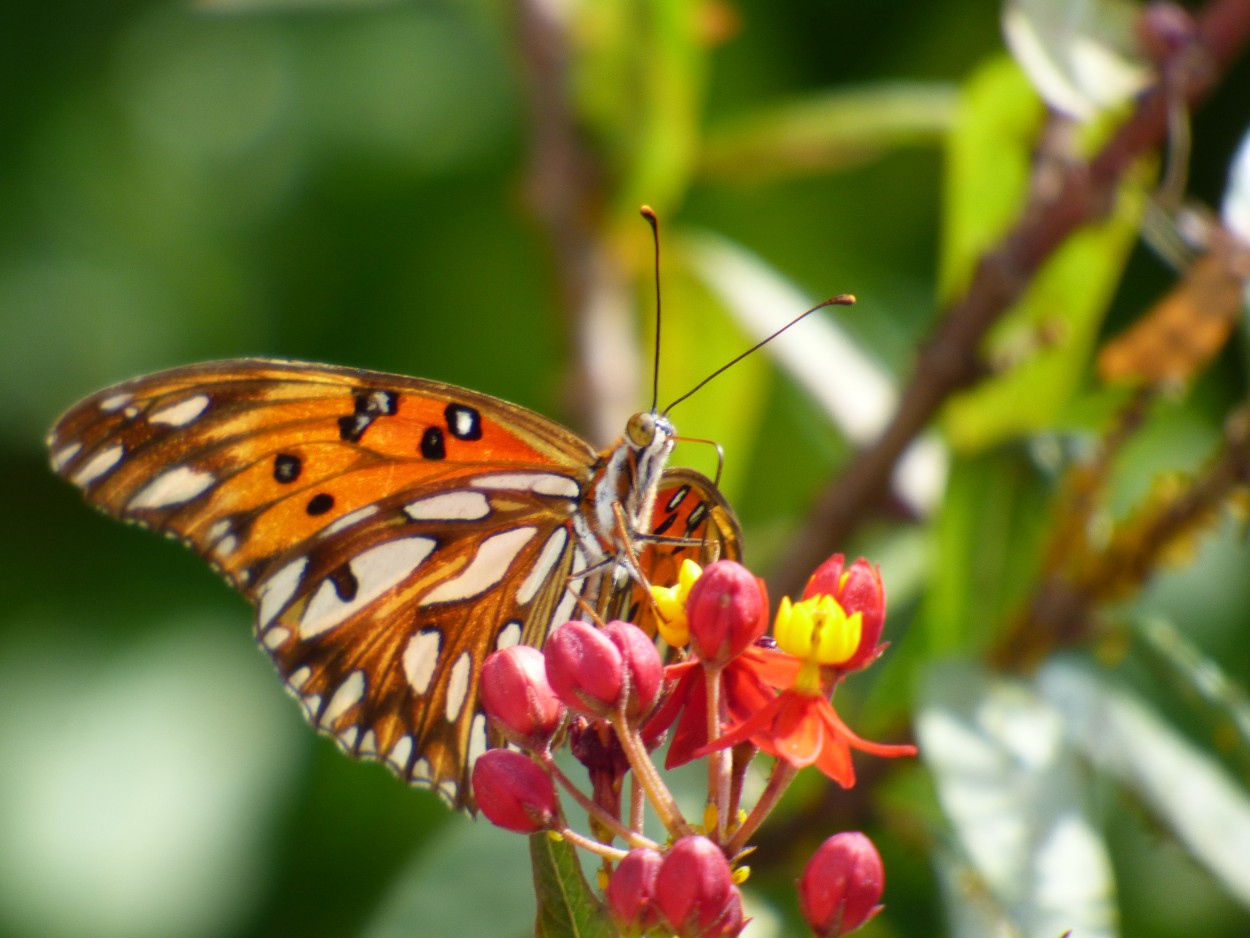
{"x": 690, "y": 520}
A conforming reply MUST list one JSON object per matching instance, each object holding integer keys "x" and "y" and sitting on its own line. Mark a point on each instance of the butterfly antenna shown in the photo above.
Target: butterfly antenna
{"x": 842, "y": 299}
{"x": 649, "y": 214}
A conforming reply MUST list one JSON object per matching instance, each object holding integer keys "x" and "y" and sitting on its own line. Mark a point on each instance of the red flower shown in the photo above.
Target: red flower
{"x": 800, "y": 725}
{"x": 748, "y": 684}
{"x": 804, "y": 729}
{"x": 857, "y": 589}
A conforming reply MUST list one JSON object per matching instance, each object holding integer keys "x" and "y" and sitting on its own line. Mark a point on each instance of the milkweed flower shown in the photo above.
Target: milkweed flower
{"x": 858, "y": 590}
{"x": 799, "y": 724}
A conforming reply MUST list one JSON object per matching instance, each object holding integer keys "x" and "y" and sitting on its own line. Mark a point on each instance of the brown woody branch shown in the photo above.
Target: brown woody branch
{"x": 949, "y": 362}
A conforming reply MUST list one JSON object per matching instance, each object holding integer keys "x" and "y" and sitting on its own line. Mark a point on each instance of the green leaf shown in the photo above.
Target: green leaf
{"x": 1043, "y": 345}
{"x": 567, "y": 907}
{"x": 984, "y": 545}
{"x": 639, "y": 81}
{"x": 830, "y": 131}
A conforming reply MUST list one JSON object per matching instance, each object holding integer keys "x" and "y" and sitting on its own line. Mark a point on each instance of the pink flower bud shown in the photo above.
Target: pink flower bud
{"x": 842, "y": 884}
{"x": 584, "y": 668}
{"x": 514, "y": 792}
{"x": 694, "y": 890}
{"x": 631, "y": 890}
{"x": 643, "y": 668}
{"x": 515, "y": 692}
{"x": 728, "y": 610}
{"x": 856, "y": 589}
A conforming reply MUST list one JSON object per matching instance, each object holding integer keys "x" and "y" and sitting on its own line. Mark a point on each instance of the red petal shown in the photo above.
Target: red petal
{"x": 798, "y": 734}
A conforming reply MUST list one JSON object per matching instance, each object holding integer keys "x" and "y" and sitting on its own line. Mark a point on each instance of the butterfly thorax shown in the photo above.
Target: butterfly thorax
{"x": 626, "y": 481}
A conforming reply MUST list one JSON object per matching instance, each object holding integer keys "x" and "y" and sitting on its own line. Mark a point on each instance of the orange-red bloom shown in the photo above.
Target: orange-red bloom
{"x": 800, "y": 725}
{"x": 804, "y": 729}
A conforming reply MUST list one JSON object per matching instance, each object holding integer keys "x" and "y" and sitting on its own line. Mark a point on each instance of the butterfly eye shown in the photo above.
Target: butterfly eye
{"x": 641, "y": 429}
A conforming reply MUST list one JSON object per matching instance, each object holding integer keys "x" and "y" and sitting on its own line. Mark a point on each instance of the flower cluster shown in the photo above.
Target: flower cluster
{"x": 732, "y": 693}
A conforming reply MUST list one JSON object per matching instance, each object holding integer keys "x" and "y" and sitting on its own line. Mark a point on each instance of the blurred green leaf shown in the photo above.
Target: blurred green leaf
{"x": 828, "y": 132}
{"x": 989, "y": 158}
{"x": 984, "y": 546}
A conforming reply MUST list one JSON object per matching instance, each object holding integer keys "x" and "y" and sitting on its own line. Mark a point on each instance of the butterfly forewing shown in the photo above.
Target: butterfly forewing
{"x": 391, "y": 532}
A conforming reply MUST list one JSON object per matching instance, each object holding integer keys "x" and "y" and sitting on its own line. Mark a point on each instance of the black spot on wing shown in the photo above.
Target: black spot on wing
{"x": 286, "y": 467}
{"x": 678, "y": 497}
{"x": 696, "y": 517}
{"x": 320, "y": 503}
{"x": 663, "y": 526}
{"x": 433, "y": 445}
{"x": 368, "y": 406}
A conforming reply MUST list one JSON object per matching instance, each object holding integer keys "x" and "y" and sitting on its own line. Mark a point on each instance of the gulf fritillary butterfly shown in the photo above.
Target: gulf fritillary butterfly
{"x": 392, "y": 532}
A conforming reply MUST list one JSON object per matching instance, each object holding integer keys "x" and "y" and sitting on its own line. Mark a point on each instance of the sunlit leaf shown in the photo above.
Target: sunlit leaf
{"x": 1081, "y": 55}
{"x": 1208, "y": 811}
{"x": 1009, "y": 785}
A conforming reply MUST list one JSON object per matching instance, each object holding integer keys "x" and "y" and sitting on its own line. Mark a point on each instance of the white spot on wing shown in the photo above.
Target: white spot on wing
{"x": 64, "y": 455}
{"x": 540, "y": 483}
{"x": 477, "y": 738}
{"x": 376, "y": 570}
{"x": 509, "y": 635}
{"x": 488, "y": 566}
{"x": 547, "y": 559}
{"x": 226, "y": 546}
{"x": 466, "y": 423}
{"x": 311, "y": 705}
{"x": 360, "y": 514}
{"x": 348, "y": 694}
{"x": 369, "y": 744}
{"x": 421, "y": 658}
{"x": 421, "y": 773}
{"x": 347, "y": 738}
{"x": 447, "y": 790}
{"x": 400, "y": 753}
{"x": 173, "y": 487}
{"x": 182, "y": 413}
{"x": 299, "y": 677}
{"x": 99, "y": 464}
{"x": 449, "y": 506}
{"x": 565, "y": 607}
{"x": 458, "y": 685}
{"x": 278, "y": 590}
{"x": 219, "y": 530}
{"x": 116, "y": 402}
{"x": 276, "y": 637}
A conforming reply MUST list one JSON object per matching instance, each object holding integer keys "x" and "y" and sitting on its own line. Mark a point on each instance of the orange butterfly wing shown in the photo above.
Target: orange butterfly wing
{"x": 391, "y": 532}
{"x": 690, "y": 520}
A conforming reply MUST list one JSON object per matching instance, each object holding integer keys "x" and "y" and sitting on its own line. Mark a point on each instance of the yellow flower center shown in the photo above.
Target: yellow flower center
{"x": 818, "y": 631}
{"x": 670, "y": 602}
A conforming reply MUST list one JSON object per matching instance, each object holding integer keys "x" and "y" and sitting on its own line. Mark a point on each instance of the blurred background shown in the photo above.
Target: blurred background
{"x": 450, "y": 190}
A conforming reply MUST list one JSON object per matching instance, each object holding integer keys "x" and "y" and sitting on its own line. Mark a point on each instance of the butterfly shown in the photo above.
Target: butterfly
{"x": 392, "y": 532}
